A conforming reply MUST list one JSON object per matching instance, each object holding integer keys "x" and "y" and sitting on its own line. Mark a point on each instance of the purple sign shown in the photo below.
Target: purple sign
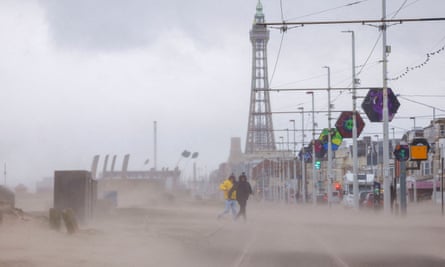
{"x": 373, "y": 104}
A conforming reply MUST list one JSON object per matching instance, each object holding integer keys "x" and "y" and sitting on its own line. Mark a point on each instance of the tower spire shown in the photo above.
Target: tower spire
{"x": 259, "y": 9}
{"x": 260, "y": 135}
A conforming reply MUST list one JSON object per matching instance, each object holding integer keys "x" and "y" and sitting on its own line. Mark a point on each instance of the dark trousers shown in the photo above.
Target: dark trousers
{"x": 242, "y": 208}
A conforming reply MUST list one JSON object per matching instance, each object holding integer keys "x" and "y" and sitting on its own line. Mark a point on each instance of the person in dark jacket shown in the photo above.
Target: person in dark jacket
{"x": 243, "y": 191}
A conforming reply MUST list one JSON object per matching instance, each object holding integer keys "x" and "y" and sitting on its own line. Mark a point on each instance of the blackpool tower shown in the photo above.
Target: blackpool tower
{"x": 260, "y": 135}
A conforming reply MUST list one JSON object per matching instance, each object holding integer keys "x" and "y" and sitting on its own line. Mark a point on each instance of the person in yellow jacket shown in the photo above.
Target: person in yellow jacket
{"x": 230, "y": 201}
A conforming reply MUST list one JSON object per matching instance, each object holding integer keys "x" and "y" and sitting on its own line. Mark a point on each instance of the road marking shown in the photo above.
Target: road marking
{"x": 212, "y": 233}
{"x": 330, "y": 252}
{"x": 246, "y": 248}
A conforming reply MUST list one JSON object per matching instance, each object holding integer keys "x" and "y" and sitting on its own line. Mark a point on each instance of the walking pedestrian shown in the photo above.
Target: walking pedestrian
{"x": 243, "y": 191}
{"x": 229, "y": 196}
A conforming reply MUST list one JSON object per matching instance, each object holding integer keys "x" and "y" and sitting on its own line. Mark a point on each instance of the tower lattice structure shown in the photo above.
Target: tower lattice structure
{"x": 260, "y": 134}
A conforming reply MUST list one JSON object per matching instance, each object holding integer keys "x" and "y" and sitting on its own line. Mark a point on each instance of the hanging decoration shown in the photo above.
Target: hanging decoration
{"x": 320, "y": 152}
{"x": 345, "y": 124}
{"x": 306, "y": 154}
{"x": 336, "y": 138}
{"x": 373, "y": 104}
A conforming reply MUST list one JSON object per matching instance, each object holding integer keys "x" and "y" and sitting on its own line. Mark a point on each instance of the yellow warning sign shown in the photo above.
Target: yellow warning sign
{"x": 418, "y": 152}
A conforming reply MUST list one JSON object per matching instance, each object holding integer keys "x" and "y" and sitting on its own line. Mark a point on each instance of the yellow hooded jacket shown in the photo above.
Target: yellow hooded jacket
{"x": 225, "y": 187}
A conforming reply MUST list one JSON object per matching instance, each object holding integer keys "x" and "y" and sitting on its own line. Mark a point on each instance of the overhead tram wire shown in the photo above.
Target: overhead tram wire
{"x": 378, "y": 40}
{"x": 283, "y": 29}
{"x": 370, "y": 54}
{"x": 314, "y": 89}
{"x": 285, "y": 25}
{"x": 420, "y": 65}
{"x": 403, "y": 7}
{"x": 278, "y": 57}
{"x": 399, "y": 9}
{"x": 417, "y": 102}
{"x": 281, "y": 9}
{"x": 362, "y": 66}
{"x": 400, "y": 21}
{"x": 363, "y": 21}
{"x": 329, "y": 9}
{"x": 380, "y": 36}
{"x": 423, "y": 95}
{"x": 314, "y": 77}
{"x": 299, "y": 112}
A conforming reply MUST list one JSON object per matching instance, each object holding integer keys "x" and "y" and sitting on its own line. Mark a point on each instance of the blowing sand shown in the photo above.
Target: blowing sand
{"x": 187, "y": 233}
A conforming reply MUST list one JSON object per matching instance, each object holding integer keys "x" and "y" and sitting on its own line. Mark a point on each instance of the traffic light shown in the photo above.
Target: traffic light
{"x": 401, "y": 152}
{"x": 337, "y": 186}
{"x": 317, "y": 164}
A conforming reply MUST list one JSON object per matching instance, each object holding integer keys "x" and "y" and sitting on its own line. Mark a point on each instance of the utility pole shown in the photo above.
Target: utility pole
{"x": 329, "y": 175}
{"x": 155, "y": 141}
{"x": 294, "y": 161}
{"x": 287, "y": 177}
{"x": 4, "y": 172}
{"x": 303, "y": 163}
{"x": 386, "y": 178}
{"x": 314, "y": 196}
{"x": 355, "y": 188}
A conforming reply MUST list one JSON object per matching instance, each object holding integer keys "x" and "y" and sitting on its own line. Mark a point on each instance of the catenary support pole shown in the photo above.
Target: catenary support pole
{"x": 329, "y": 174}
{"x": 303, "y": 162}
{"x": 386, "y": 178}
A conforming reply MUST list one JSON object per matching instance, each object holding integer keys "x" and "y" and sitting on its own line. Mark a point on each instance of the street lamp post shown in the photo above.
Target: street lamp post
{"x": 314, "y": 197}
{"x": 303, "y": 163}
{"x": 386, "y": 178}
{"x": 329, "y": 169}
{"x": 4, "y": 172}
{"x": 155, "y": 141}
{"x": 354, "y": 126}
{"x": 287, "y": 161}
{"x": 287, "y": 140}
{"x": 294, "y": 161}
{"x": 414, "y": 120}
{"x": 281, "y": 193}
{"x": 371, "y": 153}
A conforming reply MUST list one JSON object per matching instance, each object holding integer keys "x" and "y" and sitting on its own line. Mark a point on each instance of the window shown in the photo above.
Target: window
{"x": 426, "y": 168}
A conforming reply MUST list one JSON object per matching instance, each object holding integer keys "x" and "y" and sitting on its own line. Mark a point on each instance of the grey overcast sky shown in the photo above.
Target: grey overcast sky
{"x": 85, "y": 77}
